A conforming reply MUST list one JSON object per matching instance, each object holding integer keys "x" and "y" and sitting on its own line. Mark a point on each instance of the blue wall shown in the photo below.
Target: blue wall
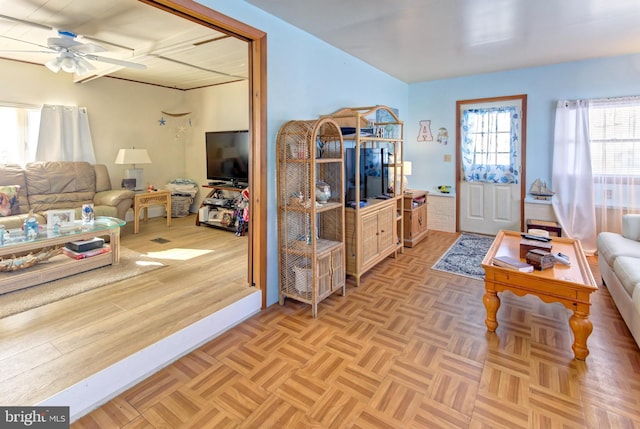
{"x": 544, "y": 86}
{"x": 306, "y": 78}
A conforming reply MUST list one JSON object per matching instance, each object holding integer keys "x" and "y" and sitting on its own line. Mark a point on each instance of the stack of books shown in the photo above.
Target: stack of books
{"x": 86, "y": 248}
{"x": 512, "y": 263}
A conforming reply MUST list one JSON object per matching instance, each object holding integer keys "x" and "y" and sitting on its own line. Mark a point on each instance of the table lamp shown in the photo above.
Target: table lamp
{"x": 406, "y": 167}
{"x": 134, "y": 156}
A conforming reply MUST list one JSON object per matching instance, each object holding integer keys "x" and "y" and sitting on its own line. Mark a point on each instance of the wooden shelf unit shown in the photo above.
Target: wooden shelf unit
{"x": 375, "y": 230}
{"x": 310, "y": 235}
{"x": 415, "y": 216}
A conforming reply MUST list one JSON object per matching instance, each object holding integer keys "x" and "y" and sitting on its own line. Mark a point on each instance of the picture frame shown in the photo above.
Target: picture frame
{"x": 60, "y": 218}
{"x": 129, "y": 184}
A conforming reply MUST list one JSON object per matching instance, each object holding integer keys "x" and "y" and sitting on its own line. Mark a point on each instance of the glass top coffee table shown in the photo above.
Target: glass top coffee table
{"x": 571, "y": 285}
{"x": 61, "y": 265}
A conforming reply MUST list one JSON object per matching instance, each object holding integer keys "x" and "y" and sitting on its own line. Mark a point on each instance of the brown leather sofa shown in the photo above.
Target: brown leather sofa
{"x": 60, "y": 185}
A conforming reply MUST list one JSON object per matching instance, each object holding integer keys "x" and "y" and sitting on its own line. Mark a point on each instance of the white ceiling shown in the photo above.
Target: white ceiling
{"x": 413, "y": 40}
{"x": 177, "y": 53}
{"x": 421, "y": 40}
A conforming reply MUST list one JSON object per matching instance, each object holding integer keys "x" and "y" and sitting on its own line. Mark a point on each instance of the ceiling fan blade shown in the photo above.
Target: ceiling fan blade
{"x": 108, "y": 60}
{"x": 62, "y": 42}
{"x": 88, "y": 48}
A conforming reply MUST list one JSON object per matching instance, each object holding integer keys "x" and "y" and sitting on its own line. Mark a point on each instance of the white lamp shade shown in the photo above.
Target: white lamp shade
{"x": 133, "y": 156}
{"x": 406, "y": 167}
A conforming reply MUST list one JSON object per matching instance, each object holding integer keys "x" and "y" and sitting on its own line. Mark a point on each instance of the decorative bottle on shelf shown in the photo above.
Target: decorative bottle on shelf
{"x": 30, "y": 227}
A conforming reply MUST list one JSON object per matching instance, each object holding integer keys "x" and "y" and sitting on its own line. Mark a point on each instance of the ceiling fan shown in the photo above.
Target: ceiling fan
{"x": 72, "y": 55}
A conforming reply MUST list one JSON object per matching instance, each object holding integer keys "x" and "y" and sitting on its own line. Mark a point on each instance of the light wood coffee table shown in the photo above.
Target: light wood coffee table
{"x": 59, "y": 266}
{"x": 570, "y": 285}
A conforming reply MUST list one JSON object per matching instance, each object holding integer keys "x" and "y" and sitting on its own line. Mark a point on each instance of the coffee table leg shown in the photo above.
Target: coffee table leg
{"x": 491, "y": 305}
{"x": 581, "y": 327}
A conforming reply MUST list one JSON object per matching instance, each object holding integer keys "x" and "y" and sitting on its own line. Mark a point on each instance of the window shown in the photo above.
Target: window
{"x": 19, "y": 132}
{"x": 614, "y": 135}
{"x": 490, "y": 144}
{"x": 614, "y": 143}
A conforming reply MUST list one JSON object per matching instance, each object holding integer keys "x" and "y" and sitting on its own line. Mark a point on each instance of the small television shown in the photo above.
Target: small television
{"x": 374, "y": 174}
{"x": 228, "y": 156}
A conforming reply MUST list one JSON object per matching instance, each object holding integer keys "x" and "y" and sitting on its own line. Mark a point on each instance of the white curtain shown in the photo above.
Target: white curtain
{"x": 65, "y": 135}
{"x": 572, "y": 180}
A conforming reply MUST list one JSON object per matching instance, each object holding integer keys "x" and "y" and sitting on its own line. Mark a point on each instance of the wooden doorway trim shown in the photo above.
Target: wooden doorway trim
{"x": 523, "y": 147}
{"x": 257, "y": 41}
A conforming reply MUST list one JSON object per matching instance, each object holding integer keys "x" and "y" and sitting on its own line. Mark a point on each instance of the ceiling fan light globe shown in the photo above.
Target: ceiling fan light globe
{"x": 84, "y": 66}
{"x": 68, "y": 64}
{"x": 53, "y": 64}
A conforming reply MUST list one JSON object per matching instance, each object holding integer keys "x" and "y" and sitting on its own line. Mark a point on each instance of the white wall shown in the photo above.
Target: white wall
{"x": 124, "y": 114}
{"x": 217, "y": 108}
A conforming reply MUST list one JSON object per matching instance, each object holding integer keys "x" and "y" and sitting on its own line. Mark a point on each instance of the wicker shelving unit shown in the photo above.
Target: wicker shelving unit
{"x": 374, "y": 230}
{"x": 310, "y": 233}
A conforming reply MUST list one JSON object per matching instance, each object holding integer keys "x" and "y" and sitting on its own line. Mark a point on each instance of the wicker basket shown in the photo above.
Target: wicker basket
{"x": 180, "y": 205}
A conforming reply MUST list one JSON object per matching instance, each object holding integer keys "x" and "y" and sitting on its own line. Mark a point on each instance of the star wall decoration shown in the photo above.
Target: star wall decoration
{"x": 162, "y": 121}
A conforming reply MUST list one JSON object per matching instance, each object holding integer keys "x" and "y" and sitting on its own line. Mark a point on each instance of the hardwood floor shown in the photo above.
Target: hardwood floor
{"x": 48, "y": 349}
{"x": 406, "y": 349}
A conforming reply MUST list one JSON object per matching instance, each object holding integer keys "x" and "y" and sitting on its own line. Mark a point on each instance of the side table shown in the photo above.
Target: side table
{"x": 144, "y": 200}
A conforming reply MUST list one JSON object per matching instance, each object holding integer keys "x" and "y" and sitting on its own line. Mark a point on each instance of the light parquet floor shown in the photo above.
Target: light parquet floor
{"x": 406, "y": 349}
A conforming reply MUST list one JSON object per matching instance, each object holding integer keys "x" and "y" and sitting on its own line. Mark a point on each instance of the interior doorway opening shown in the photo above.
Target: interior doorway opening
{"x": 256, "y": 43}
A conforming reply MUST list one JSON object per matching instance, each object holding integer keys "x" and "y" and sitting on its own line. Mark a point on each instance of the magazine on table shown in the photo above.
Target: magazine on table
{"x": 512, "y": 263}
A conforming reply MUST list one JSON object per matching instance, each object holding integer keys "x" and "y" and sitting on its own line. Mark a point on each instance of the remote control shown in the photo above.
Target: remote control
{"x": 535, "y": 237}
{"x": 562, "y": 258}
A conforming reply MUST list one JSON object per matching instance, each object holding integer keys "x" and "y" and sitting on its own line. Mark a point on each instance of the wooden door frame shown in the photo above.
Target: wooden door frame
{"x": 523, "y": 149}
{"x": 257, "y": 42}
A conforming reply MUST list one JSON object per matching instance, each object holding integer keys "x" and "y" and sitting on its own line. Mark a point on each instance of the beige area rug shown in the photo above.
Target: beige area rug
{"x": 36, "y": 296}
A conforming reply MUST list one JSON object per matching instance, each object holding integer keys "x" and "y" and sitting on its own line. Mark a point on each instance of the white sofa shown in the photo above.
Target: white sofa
{"x": 619, "y": 263}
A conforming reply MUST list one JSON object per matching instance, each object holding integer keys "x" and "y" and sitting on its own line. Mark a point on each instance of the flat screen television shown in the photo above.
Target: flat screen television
{"x": 228, "y": 156}
{"x": 374, "y": 174}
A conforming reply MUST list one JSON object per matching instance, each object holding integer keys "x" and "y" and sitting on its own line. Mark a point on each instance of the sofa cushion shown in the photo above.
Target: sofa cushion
{"x": 13, "y": 175}
{"x": 631, "y": 226}
{"x": 60, "y": 185}
{"x": 9, "y": 200}
{"x": 103, "y": 182}
{"x": 627, "y": 269}
{"x": 611, "y": 245}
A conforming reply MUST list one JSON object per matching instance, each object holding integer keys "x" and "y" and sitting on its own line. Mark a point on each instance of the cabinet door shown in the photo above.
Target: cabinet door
{"x": 418, "y": 220}
{"x": 386, "y": 228}
{"x": 338, "y": 275}
{"x": 370, "y": 237}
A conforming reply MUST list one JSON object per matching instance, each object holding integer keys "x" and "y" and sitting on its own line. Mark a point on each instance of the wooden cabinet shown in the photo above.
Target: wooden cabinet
{"x": 374, "y": 213}
{"x": 311, "y": 224}
{"x": 377, "y": 225}
{"x": 415, "y": 217}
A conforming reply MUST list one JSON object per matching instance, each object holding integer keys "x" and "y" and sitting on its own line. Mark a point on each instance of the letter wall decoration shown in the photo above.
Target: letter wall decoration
{"x": 424, "y": 135}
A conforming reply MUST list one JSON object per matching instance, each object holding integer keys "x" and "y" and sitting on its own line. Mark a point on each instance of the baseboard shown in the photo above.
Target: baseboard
{"x": 91, "y": 393}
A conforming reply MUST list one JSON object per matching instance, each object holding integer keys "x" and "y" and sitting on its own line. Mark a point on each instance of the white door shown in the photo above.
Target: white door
{"x": 486, "y": 208}
{"x": 485, "y": 204}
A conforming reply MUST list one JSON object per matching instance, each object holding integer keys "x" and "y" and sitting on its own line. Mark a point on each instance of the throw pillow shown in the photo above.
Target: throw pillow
{"x": 9, "y": 201}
